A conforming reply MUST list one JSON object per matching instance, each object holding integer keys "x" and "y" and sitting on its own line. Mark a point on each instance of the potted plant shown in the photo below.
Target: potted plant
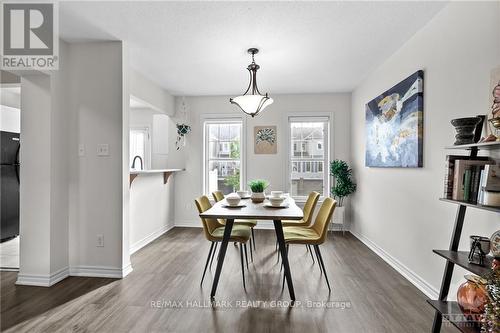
{"x": 258, "y": 186}
{"x": 344, "y": 186}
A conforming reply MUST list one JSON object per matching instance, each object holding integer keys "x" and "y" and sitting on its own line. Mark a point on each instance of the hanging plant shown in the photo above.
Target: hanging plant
{"x": 182, "y": 131}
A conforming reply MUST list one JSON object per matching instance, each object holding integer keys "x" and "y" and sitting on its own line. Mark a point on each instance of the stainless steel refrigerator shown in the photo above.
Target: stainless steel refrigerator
{"x": 9, "y": 185}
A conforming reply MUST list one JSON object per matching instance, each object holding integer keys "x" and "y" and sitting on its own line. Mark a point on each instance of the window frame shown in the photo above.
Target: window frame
{"x": 325, "y": 117}
{"x": 217, "y": 119}
{"x": 147, "y": 145}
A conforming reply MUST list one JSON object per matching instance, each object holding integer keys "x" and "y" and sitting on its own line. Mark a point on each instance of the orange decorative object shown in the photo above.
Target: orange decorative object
{"x": 472, "y": 295}
{"x": 495, "y": 264}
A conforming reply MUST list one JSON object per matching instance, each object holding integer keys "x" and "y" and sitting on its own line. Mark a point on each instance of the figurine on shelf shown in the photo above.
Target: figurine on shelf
{"x": 479, "y": 247}
{"x": 495, "y": 111}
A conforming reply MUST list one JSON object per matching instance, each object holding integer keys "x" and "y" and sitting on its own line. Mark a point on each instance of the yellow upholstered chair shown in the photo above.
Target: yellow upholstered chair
{"x": 219, "y": 196}
{"x": 315, "y": 234}
{"x": 308, "y": 210}
{"x": 214, "y": 232}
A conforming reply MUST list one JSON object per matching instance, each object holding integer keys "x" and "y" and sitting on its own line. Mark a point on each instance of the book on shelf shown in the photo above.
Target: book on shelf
{"x": 489, "y": 184}
{"x": 450, "y": 171}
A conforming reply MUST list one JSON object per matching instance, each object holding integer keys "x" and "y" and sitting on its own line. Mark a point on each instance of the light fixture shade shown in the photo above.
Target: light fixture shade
{"x": 252, "y": 104}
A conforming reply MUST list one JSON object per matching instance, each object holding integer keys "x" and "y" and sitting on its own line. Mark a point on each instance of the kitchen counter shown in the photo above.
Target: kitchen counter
{"x": 166, "y": 173}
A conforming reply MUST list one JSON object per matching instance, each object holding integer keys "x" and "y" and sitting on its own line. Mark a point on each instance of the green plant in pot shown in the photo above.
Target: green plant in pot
{"x": 344, "y": 184}
{"x": 258, "y": 186}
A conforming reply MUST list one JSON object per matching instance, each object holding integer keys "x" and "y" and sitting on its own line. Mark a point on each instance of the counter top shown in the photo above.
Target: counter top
{"x": 166, "y": 173}
{"x": 138, "y": 172}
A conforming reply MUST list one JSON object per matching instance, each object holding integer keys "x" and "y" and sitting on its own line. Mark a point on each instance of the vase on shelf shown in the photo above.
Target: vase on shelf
{"x": 472, "y": 295}
{"x": 465, "y": 128}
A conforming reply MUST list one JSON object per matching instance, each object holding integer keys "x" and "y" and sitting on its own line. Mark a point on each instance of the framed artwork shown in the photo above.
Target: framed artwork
{"x": 265, "y": 140}
{"x": 394, "y": 125}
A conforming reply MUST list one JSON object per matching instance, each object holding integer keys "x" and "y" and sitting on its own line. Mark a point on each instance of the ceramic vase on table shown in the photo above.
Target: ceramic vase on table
{"x": 258, "y": 197}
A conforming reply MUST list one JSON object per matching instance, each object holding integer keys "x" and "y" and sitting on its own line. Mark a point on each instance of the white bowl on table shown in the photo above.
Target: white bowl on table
{"x": 276, "y": 201}
{"x": 243, "y": 194}
{"x": 233, "y": 199}
{"x": 276, "y": 194}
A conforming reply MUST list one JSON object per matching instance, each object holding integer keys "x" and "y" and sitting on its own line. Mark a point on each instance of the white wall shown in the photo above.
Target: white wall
{"x": 397, "y": 211}
{"x": 270, "y": 167}
{"x": 99, "y": 184}
{"x": 148, "y": 91}
{"x": 10, "y": 119}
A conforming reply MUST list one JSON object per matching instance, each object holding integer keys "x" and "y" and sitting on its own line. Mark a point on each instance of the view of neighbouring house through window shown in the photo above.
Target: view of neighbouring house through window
{"x": 222, "y": 156}
{"x": 308, "y": 155}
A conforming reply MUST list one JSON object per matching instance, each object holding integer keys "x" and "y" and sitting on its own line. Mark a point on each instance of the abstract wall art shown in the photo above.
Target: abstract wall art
{"x": 394, "y": 125}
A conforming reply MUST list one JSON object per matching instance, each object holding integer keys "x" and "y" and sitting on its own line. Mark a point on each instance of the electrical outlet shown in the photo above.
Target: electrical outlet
{"x": 103, "y": 149}
{"x": 81, "y": 150}
{"x": 100, "y": 240}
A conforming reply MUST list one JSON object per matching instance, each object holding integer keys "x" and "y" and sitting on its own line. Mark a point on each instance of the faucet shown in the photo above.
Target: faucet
{"x": 133, "y": 162}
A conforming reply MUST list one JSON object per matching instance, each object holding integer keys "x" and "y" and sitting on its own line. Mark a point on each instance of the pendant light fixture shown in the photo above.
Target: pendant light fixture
{"x": 252, "y": 101}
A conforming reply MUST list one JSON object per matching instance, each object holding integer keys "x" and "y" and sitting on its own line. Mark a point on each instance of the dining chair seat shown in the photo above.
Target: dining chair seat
{"x": 301, "y": 235}
{"x": 240, "y": 233}
{"x": 291, "y": 223}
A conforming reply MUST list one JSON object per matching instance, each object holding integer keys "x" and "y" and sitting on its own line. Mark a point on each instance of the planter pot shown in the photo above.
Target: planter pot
{"x": 258, "y": 197}
{"x": 339, "y": 217}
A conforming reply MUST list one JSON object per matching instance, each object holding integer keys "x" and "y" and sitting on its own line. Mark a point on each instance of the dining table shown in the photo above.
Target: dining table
{"x": 248, "y": 210}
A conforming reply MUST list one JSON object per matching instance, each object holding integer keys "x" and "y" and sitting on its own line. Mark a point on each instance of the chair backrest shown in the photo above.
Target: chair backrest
{"x": 218, "y": 196}
{"x": 309, "y": 206}
{"x": 209, "y": 225}
{"x": 323, "y": 218}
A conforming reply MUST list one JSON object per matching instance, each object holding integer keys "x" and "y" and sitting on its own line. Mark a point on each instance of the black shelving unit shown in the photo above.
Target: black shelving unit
{"x": 447, "y": 309}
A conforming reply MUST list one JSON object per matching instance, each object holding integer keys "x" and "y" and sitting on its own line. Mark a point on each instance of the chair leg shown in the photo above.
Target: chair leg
{"x": 242, "y": 266}
{"x": 253, "y": 240}
{"x": 251, "y": 253}
{"x": 246, "y": 253}
{"x": 213, "y": 254}
{"x": 319, "y": 264}
{"x": 310, "y": 251}
{"x": 318, "y": 251}
{"x": 206, "y": 264}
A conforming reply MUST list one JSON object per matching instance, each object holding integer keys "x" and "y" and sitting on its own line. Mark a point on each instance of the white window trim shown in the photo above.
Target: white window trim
{"x": 215, "y": 118}
{"x": 327, "y": 148}
{"x": 148, "y": 146}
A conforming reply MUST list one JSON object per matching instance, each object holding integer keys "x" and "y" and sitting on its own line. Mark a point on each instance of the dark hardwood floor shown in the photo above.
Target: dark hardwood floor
{"x": 163, "y": 293}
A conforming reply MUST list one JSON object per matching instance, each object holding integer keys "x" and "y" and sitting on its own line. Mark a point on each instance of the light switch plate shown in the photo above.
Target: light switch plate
{"x": 103, "y": 149}
{"x": 81, "y": 150}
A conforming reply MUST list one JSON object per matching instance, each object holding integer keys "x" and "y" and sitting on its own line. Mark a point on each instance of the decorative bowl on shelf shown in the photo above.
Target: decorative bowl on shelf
{"x": 465, "y": 128}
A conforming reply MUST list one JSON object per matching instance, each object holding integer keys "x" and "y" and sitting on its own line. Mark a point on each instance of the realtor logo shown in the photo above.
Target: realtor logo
{"x": 29, "y": 36}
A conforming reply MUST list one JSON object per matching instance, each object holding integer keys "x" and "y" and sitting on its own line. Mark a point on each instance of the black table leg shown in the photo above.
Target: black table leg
{"x": 222, "y": 253}
{"x": 281, "y": 241}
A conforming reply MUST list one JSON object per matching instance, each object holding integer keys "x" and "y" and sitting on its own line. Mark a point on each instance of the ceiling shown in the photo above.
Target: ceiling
{"x": 199, "y": 48}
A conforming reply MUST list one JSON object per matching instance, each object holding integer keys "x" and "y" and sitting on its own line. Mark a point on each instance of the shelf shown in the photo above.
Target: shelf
{"x": 452, "y": 313}
{"x": 461, "y": 259}
{"x": 482, "y": 146}
{"x": 473, "y": 205}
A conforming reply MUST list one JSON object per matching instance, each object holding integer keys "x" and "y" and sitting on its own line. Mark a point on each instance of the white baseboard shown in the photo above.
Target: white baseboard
{"x": 148, "y": 239}
{"x": 407, "y": 273}
{"x": 42, "y": 280}
{"x": 100, "y": 271}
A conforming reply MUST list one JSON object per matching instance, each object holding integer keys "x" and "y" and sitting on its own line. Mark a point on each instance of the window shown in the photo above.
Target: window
{"x": 140, "y": 145}
{"x": 308, "y": 155}
{"x": 223, "y": 152}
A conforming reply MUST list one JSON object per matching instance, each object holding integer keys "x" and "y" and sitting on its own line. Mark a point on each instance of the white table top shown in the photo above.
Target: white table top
{"x": 254, "y": 211}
